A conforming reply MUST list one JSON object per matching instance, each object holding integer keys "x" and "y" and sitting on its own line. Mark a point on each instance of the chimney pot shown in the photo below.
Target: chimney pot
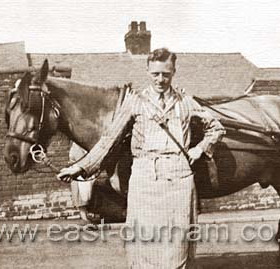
{"x": 142, "y": 26}
{"x": 138, "y": 42}
{"x": 134, "y": 26}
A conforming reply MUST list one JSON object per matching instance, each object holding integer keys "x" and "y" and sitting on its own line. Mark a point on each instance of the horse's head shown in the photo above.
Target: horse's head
{"x": 31, "y": 117}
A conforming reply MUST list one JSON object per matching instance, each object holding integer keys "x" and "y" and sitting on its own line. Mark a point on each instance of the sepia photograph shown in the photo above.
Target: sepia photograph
{"x": 140, "y": 134}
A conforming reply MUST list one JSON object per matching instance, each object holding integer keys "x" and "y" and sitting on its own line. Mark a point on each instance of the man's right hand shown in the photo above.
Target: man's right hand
{"x": 67, "y": 174}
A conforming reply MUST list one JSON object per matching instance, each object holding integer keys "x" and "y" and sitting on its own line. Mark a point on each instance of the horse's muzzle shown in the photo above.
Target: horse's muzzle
{"x": 13, "y": 159}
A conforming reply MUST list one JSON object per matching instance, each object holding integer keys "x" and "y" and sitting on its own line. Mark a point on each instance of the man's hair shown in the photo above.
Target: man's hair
{"x": 161, "y": 55}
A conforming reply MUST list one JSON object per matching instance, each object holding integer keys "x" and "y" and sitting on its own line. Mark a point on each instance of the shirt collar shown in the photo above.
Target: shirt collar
{"x": 155, "y": 95}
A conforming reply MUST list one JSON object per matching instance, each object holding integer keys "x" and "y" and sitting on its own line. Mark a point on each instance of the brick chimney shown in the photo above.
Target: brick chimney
{"x": 138, "y": 39}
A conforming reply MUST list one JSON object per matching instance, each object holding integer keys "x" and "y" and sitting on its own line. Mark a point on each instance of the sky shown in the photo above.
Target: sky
{"x": 251, "y": 27}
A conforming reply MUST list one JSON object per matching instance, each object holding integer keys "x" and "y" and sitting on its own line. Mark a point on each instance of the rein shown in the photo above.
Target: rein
{"x": 39, "y": 156}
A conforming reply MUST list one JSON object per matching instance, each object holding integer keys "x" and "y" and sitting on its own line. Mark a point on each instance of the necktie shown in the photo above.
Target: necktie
{"x": 161, "y": 101}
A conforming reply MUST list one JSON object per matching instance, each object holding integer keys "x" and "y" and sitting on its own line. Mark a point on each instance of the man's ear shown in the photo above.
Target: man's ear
{"x": 148, "y": 72}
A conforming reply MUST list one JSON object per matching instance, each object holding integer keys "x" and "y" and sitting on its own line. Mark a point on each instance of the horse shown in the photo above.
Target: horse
{"x": 33, "y": 116}
{"x": 248, "y": 153}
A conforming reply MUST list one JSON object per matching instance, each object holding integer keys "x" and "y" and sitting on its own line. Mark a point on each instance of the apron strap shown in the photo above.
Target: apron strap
{"x": 160, "y": 120}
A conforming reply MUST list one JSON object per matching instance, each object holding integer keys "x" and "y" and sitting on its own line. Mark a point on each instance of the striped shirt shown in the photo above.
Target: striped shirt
{"x": 136, "y": 117}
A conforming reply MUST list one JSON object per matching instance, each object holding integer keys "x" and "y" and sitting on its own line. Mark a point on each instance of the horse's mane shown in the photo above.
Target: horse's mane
{"x": 78, "y": 100}
{"x": 7, "y": 102}
{"x": 78, "y": 86}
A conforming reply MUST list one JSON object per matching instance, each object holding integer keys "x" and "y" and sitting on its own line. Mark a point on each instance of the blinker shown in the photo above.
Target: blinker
{"x": 34, "y": 101}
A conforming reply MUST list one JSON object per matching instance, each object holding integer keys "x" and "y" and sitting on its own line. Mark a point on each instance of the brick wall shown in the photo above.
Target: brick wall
{"x": 266, "y": 87}
{"x": 253, "y": 197}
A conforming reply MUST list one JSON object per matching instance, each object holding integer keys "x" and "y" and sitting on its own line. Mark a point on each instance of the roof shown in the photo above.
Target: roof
{"x": 202, "y": 74}
{"x": 13, "y": 56}
{"x": 268, "y": 74}
{"x": 215, "y": 74}
{"x": 267, "y": 86}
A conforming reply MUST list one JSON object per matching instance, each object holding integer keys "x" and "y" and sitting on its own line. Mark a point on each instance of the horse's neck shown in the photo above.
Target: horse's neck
{"x": 85, "y": 110}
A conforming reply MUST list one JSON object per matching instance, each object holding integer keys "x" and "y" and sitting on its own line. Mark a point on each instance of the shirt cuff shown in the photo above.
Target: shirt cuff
{"x": 83, "y": 173}
{"x": 207, "y": 150}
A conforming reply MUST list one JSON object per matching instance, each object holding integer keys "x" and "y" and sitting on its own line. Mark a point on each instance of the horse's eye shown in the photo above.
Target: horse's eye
{"x": 13, "y": 102}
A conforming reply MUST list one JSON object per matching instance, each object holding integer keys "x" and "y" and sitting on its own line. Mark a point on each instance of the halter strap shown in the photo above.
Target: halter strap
{"x": 22, "y": 137}
{"x": 44, "y": 92}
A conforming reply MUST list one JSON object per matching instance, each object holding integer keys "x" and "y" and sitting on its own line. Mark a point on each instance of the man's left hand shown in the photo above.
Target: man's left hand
{"x": 194, "y": 154}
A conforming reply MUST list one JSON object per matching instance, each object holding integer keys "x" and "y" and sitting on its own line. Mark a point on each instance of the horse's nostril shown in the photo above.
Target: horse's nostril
{"x": 14, "y": 159}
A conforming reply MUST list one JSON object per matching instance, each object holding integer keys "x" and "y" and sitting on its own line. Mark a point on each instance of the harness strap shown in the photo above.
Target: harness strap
{"x": 45, "y": 93}
{"x": 42, "y": 111}
{"x": 209, "y": 105}
{"x": 248, "y": 126}
{"x": 22, "y": 137}
{"x": 231, "y": 122}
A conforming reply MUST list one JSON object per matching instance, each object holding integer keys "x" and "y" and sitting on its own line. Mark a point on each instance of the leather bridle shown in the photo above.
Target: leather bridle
{"x": 36, "y": 150}
{"x": 45, "y": 94}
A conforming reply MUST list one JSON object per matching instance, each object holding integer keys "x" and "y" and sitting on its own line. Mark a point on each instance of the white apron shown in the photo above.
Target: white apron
{"x": 161, "y": 195}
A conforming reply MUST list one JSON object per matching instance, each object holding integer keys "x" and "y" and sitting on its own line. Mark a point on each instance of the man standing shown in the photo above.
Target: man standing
{"x": 161, "y": 187}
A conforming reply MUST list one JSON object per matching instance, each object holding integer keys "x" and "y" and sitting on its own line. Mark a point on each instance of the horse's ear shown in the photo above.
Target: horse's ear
{"x": 23, "y": 89}
{"x": 44, "y": 71}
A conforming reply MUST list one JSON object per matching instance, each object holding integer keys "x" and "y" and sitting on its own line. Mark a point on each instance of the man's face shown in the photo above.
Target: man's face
{"x": 161, "y": 74}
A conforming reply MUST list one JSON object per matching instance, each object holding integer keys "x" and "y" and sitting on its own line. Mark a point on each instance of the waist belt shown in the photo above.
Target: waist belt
{"x": 155, "y": 155}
